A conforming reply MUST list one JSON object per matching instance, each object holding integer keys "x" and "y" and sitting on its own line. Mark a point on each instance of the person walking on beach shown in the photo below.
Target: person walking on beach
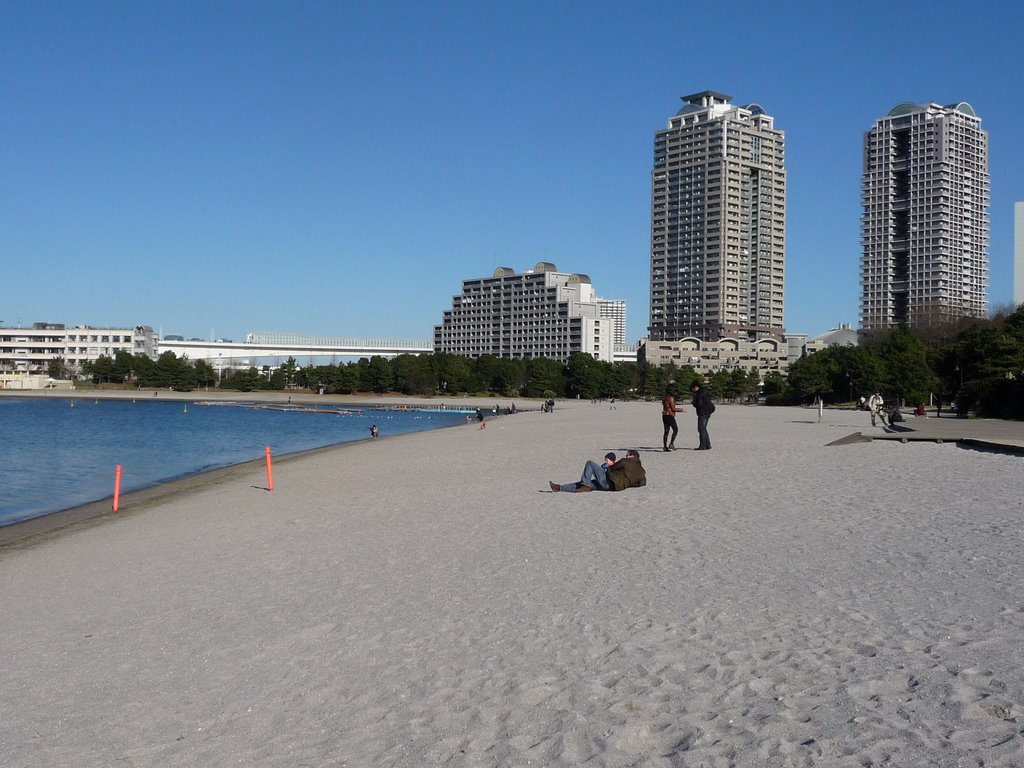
{"x": 704, "y": 406}
{"x": 611, "y": 475}
{"x": 668, "y": 419}
{"x": 480, "y": 418}
{"x": 875, "y": 406}
{"x": 374, "y": 432}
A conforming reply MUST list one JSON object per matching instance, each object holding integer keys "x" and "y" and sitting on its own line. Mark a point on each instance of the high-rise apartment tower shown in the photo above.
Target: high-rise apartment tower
{"x": 718, "y": 223}
{"x": 924, "y": 229}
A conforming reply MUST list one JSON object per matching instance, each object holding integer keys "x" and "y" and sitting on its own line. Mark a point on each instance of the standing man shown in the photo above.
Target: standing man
{"x": 668, "y": 419}
{"x": 704, "y": 407}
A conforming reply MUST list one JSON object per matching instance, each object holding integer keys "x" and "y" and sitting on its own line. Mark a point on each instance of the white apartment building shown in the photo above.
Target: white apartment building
{"x": 539, "y": 313}
{"x": 924, "y": 228}
{"x": 718, "y": 223}
{"x": 30, "y": 350}
{"x": 615, "y": 311}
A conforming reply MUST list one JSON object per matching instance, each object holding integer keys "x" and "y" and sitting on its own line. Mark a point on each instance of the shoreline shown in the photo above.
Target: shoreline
{"x": 27, "y": 532}
{"x": 278, "y": 397}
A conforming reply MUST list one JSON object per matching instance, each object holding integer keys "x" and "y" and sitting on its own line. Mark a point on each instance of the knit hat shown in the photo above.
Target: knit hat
{"x": 610, "y": 456}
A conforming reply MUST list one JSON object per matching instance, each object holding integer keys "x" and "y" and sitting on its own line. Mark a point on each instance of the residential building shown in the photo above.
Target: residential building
{"x": 727, "y": 354}
{"x": 924, "y": 229}
{"x": 539, "y": 313}
{"x": 615, "y": 311}
{"x": 30, "y": 350}
{"x": 718, "y": 223}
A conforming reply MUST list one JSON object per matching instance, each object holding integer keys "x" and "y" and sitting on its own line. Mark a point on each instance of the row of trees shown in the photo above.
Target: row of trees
{"x": 167, "y": 371}
{"x": 437, "y": 374}
{"x": 979, "y": 364}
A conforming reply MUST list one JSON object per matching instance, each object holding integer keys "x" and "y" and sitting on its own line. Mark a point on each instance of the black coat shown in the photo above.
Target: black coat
{"x": 702, "y": 402}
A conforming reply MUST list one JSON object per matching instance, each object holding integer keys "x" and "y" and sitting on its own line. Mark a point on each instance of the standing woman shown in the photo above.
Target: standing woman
{"x": 668, "y": 419}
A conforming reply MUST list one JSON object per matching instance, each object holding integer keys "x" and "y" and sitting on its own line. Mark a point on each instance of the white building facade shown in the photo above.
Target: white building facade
{"x": 924, "y": 228}
{"x": 539, "y": 313}
{"x": 30, "y": 350}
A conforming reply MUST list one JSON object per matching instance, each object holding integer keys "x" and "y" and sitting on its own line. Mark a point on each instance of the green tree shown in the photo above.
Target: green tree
{"x": 245, "y": 380}
{"x": 378, "y": 376}
{"x": 413, "y": 375}
{"x": 985, "y": 368}
{"x": 584, "y": 376}
{"x": 451, "y": 372}
{"x": 774, "y": 383}
{"x": 622, "y": 380}
{"x": 100, "y": 370}
{"x": 204, "y": 374}
{"x": 544, "y": 375}
{"x": 349, "y": 379}
{"x": 143, "y": 370}
{"x": 172, "y": 371}
{"x": 289, "y": 371}
{"x": 653, "y": 380}
{"x": 124, "y": 365}
{"x": 56, "y": 368}
{"x": 908, "y": 376}
{"x": 809, "y": 377}
{"x": 482, "y": 373}
{"x": 509, "y": 377}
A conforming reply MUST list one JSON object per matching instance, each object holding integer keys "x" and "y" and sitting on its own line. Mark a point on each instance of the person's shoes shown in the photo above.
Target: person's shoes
{"x": 554, "y": 486}
{"x": 703, "y": 448}
{"x": 671, "y": 446}
{"x": 665, "y": 449}
{"x": 582, "y": 488}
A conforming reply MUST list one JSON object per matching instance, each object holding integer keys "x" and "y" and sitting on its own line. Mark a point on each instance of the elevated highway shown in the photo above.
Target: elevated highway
{"x": 283, "y": 346}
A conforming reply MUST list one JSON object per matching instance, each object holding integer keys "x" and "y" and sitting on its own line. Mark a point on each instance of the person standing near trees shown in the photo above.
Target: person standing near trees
{"x": 704, "y": 406}
{"x": 668, "y": 419}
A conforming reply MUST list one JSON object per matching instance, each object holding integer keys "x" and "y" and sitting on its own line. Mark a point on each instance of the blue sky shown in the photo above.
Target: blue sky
{"x": 338, "y": 169}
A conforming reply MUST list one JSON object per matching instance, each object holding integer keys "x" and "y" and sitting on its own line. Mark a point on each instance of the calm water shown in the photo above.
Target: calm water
{"x": 56, "y": 454}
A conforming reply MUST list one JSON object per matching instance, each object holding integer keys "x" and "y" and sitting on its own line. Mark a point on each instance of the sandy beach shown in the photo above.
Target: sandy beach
{"x": 427, "y": 601}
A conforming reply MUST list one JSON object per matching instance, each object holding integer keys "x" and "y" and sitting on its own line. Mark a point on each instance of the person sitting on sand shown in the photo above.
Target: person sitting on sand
{"x": 611, "y": 475}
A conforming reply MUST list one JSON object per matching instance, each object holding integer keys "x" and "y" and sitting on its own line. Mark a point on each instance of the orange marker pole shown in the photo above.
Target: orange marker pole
{"x": 117, "y": 486}
{"x": 270, "y": 471}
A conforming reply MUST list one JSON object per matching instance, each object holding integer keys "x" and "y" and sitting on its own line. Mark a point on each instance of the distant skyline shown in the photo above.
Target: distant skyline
{"x": 338, "y": 169}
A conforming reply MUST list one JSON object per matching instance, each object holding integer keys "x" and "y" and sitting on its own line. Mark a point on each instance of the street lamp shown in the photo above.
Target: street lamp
{"x": 849, "y": 378}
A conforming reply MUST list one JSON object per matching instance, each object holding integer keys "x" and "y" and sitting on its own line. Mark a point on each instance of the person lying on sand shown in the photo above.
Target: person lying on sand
{"x": 611, "y": 475}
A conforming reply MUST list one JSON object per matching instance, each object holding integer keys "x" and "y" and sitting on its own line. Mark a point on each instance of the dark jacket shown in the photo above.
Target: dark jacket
{"x": 626, "y": 473}
{"x": 702, "y": 402}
